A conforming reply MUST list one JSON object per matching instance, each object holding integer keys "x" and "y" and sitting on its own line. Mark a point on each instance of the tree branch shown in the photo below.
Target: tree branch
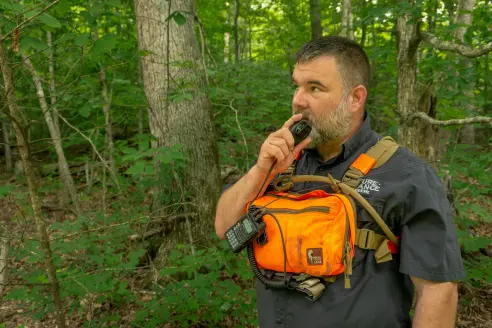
{"x": 30, "y": 19}
{"x": 471, "y": 120}
{"x": 461, "y": 49}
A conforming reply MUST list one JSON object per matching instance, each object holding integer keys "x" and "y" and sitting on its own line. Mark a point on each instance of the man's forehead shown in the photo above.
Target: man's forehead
{"x": 322, "y": 69}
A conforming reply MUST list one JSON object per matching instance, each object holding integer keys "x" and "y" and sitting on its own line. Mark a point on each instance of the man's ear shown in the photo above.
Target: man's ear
{"x": 358, "y": 98}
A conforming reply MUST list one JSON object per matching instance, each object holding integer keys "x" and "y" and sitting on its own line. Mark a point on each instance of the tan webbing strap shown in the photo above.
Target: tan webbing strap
{"x": 380, "y": 152}
{"x": 368, "y": 239}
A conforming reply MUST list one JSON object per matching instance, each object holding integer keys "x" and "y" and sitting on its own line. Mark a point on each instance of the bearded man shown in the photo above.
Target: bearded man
{"x": 332, "y": 79}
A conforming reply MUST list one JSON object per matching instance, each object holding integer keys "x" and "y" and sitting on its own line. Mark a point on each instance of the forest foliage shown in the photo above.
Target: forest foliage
{"x": 103, "y": 255}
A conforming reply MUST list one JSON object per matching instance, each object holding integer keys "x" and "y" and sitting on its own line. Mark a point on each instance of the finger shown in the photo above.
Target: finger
{"x": 285, "y": 134}
{"x": 303, "y": 144}
{"x": 282, "y": 144}
{"x": 277, "y": 153}
{"x": 292, "y": 120}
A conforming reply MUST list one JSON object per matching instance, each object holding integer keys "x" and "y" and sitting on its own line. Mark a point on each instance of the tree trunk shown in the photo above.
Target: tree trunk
{"x": 51, "y": 67}
{"x": 187, "y": 121}
{"x": 65, "y": 174}
{"x": 236, "y": 32}
{"x": 107, "y": 113}
{"x": 347, "y": 20}
{"x": 3, "y": 257}
{"x": 463, "y": 20}
{"x": 19, "y": 128}
{"x": 364, "y": 27}
{"x": 315, "y": 12}
{"x": 6, "y": 146}
{"x": 227, "y": 46}
{"x": 408, "y": 42}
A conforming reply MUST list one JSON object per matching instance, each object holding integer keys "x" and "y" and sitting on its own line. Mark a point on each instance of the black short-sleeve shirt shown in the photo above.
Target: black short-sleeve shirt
{"x": 410, "y": 197}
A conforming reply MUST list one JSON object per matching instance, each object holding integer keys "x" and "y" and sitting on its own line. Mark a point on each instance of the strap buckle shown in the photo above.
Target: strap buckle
{"x": 313, "y": 287}
{"x": 365, "y": 239}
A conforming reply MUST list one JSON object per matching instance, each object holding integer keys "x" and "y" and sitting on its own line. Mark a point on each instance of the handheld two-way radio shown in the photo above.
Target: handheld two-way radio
{"x": 251, "y": 224}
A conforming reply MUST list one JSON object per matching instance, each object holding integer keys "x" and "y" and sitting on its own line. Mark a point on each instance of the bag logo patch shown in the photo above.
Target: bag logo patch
{"x": 315, "y": 256}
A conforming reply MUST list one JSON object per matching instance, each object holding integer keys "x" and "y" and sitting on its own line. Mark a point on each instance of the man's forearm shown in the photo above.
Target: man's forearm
{"x": 436, "y": 306}
{"x": 232, "y": 203}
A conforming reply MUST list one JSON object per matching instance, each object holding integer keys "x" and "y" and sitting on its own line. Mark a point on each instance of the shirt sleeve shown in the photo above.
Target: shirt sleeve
{"x": 429, "y": 246}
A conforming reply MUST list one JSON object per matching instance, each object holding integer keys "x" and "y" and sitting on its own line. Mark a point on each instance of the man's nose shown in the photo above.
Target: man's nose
{"x": 299, "y": 101}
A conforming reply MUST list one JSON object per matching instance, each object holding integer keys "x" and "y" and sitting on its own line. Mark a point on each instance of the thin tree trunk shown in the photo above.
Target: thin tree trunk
{"x": 236, "y": 32}
{"x": 227, "y": 45}
{"x": 65, "y": 174}
{"x": 364, "y": 28}
{"x": 107, "y": 114}
{"x": 3, "y": 257}
{"x": 19, "y": 128}
{"x": 463, "y": 20}
{"x": 187, "y": 122}
{"x": 6, "y": 146}
{"x": 347, "y": 20}
{"x": 315, "y": 12}
{"x": 51, "y": 67}
{"x": 408, "y": 43}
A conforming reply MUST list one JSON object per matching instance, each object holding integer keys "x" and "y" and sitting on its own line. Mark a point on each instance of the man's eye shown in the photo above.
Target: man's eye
{"x": 314, "y": 89}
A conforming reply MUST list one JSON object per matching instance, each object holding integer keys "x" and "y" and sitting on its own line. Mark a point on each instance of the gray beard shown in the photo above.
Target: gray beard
{"x": 332, "y": 126}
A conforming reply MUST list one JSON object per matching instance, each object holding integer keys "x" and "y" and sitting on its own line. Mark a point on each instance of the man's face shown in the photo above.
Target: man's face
{"x": 320, "y": 98}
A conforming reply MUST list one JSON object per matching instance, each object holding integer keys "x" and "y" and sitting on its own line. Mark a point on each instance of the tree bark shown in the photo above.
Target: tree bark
{"x": 107, "y": 114}
{"x": 315, "y": 13}
{"x": 236, "y": 32}
{"x": 65, "y": 174}
{"x": 408, "y": 42}
{"x": 51, "y": 67}
{"x": 463, "y": 20}
{"x": 227, "y": 46}
{"x": 187, "y": 121}
{"x": 347, "y": 20}
{"x": 19, "y": 127}
{"x": 3, "y": 257}
{"x": 6, "y": 146}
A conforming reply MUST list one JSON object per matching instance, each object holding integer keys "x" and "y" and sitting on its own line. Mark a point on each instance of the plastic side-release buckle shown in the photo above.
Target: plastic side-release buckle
{"x": 313, "y": 287}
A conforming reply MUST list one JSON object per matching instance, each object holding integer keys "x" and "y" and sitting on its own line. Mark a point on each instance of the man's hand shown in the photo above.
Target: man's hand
{"x": 280, "y": 146}
{"x": 436, "y": 304}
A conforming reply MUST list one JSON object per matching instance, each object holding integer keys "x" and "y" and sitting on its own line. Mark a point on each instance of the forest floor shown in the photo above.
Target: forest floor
{"x": 474, "y": 311}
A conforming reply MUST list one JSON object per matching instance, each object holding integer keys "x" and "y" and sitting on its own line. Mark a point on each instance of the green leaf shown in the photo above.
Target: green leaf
{"x": 35, "y": 43}
{"x": 49, "y": 20}
{"x": 113, "y": 317}
{"x": 179, "y": 18}
{"x": 11, "y": 6}
{"x": 105, "y": 44}
{"x": 86, "y": 111}
{"x": 62, "y": 7}
{"x": 475, "y": 243}
{"x": 138, "y": 168}
{"x": 5, "y": 190}
{"x": 113, "y": 3}
{"x": 81, "y": 40}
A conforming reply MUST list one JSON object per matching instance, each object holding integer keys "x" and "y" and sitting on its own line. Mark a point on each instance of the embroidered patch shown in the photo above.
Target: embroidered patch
{"x": 367, "y": 186}
{"x": 315, "y": 256}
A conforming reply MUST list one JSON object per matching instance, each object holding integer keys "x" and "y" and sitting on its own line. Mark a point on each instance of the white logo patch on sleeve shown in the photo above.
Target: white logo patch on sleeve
{"x": 368, "y": 185}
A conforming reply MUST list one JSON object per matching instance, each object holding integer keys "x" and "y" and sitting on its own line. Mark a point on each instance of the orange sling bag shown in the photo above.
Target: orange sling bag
{"x": 318, "y": 231}
{"x": 315, "y": 234}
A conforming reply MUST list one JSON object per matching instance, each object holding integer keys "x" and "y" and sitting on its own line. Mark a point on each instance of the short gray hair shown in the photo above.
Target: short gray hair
{"x": 352, "y": 62}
